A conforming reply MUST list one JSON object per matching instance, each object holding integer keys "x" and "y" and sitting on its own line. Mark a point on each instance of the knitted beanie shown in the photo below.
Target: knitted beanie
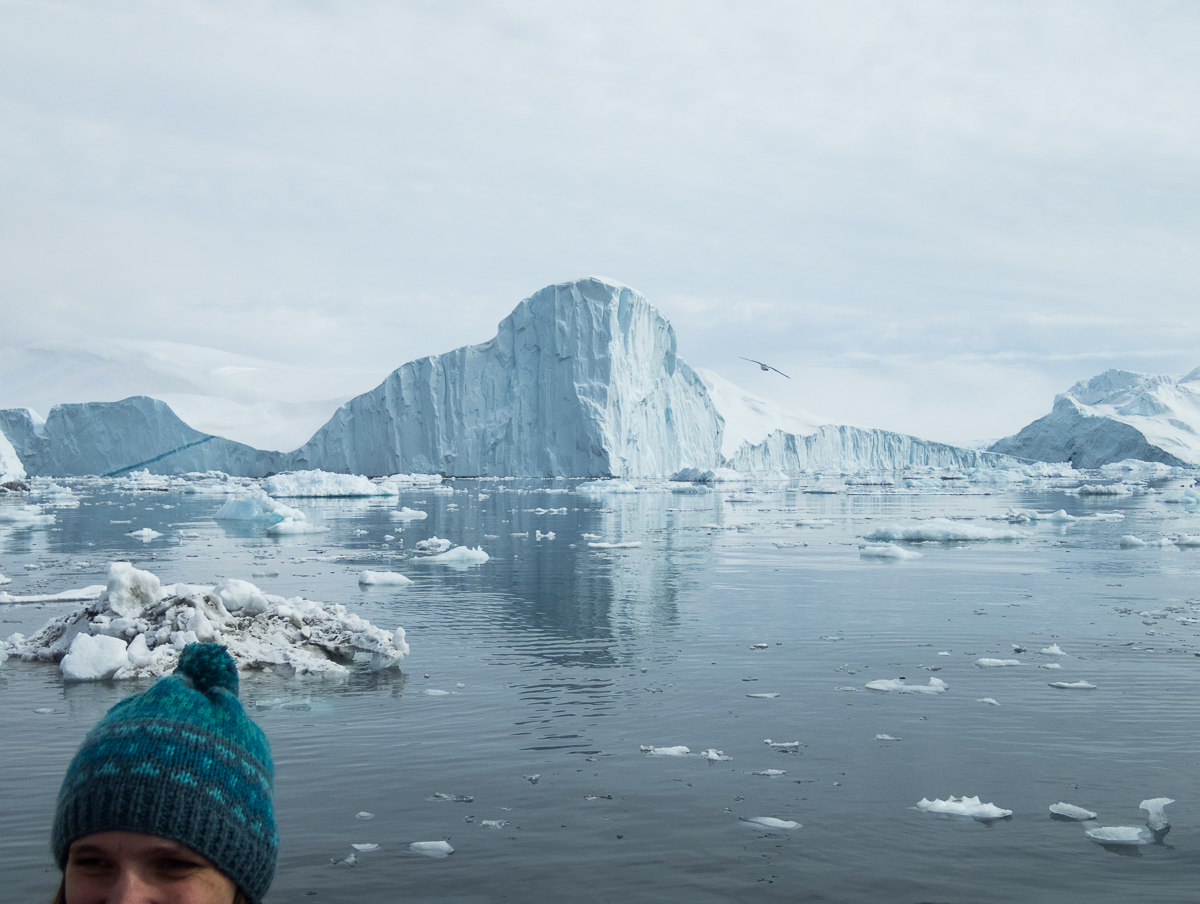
{"x": 180, "y": 761}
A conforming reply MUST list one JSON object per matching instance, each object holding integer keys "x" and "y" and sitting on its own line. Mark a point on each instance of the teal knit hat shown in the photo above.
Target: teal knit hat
{"x": 180, "y": 761}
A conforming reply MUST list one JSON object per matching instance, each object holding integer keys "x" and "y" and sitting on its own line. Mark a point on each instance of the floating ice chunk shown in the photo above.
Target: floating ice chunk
{"x": 4, "y": 580}
{"x": 935, "y": 686}
{"x": 771, "y": 696}
{"x": 460, "y": 555}
{"x": 94, "y": 658}
{"x": 633, "y": 544}
{"x": 1120, "y": 835}
{"x": 25, "y": 516}
{"x": 991, "y": 701}
{"x": 1073, "y": 685}
{"x": 290, "y": 526}
{"x": 435, "y": 692}
{"x": 549, "y": 535}
{"x": 759, "y": 646}
{"x": 1157, "y": 820}
{"x": 944, "y": 653}
{"x": 146, "y": 534}
{"x": 349, "y": 861}
{"x": 996, "y": 663}
{"x": 1187, "y": 540}
{"x": 666, "y": 751}
{"x": 533, "y": 779}
{"x": 885, "y": 737}
{"x": 1062, "y": 517}
{"x": 887, "y": 551}
{"x": 783, "y": 745}
{"x": 363, "y": 848}
{"x": 255, "y": 505}
{"x": 942, "y": 529}
{"x": 493, "y": 823}
{"x": 1129, "y": 541}
{"x": 1050, "y": 665}
{"x": 433, "y": 544}
{"x": 406, "y": 514}
{"x": 323, "y": 483}
{"x": 1053, "y": 650}
{"x": 770, "y": 773}
{"x": 1070, "y": 811}
{"x": 715, "y": 756}
{"x": 770, "y": 822}
{"x": 963, "y": 806}
{"x": 435, "y": 849}
{"x": 1112, "y": 489}
{"x": 455, "y": 798}
{"x": 383, "y": 577}
{"x": 242, "y": 596}
{"x": 364, "y": 815}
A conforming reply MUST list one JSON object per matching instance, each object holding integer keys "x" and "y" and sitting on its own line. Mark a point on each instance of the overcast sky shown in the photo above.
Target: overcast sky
{"x": 932, "y": 216}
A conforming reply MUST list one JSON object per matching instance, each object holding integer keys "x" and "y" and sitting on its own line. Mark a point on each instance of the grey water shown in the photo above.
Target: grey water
{"x": 560, "y": 661}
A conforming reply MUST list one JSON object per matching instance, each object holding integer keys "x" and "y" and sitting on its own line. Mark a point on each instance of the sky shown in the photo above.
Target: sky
{"x": 933, "y": 216}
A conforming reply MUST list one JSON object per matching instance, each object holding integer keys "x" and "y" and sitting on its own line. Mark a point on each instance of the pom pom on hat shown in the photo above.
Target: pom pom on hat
{"x": 209, "y": 666}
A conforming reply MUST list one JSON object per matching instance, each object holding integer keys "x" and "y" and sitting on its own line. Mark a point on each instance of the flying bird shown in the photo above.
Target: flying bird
{"x": 765, "y": 366}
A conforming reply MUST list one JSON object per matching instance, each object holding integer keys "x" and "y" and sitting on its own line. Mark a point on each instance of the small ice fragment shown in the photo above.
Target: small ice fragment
{"x": 407, "y": 514}
{"x": 456, "y": 798}
{"x": 666, "y": 751}
{"x": 145, "y": 534}
{"x": 349, "y": 861}
{"x": 1053, "y": 650}
{"x": 1130, "y": 542}
{"x": 944, "y": 653}
{"x": 990, "y": 700}
{"x": 533, "y": 779}
{"x": 1070, "y": 811}
{"x": 996, "y": 663}
{"x": 365, "y": 847}
{"x": 1050, "y": 665}
{"x": 887, "y": 551}
{"x": 434, "y": 849}
{"x": 783, "y": 745}
{"x": 435, "y": 692}
{"x": 763, "y": 696}
{"x": 1073, "y": 685}
{"x": 494, "y": 823}
{"x": 1120, "y": 835}
{"x": 885, "y": 737}
{"x": 1157, "y": 820}
{"x": 715, "y": 756}
{"x": 770, "y": 772}
{"x": 1017, "y": 648}
{"x": 771, "y": 822}
{"x": 759, "y": 646}
{"x": 44, "y": 710}
{"x": 963, "y": 806}
{"x": 380, "y": 578}
{"x": 935, "y": 686}
{"x": 364, "y": 815}
{"x": 460, "y": 684}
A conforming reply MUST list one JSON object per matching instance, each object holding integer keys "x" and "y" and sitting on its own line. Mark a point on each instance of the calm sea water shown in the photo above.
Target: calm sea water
{"x": 563, "y": 660}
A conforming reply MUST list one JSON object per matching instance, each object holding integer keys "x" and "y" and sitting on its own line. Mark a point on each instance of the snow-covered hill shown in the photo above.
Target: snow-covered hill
{"x": 1116, "y": 416}
{"x": 254, "y": 401}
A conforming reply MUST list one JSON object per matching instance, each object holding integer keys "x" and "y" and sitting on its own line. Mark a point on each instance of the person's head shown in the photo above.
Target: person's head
{"x": 169, "y": 797}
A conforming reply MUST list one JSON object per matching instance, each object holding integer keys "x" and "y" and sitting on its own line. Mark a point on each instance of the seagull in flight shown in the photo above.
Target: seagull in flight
{"x": 765, "y": 366}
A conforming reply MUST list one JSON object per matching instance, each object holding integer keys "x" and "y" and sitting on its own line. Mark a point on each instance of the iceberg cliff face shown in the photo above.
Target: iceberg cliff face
{"x": 11, "y": 469}
{"x": 582, "y": 380}
{"x": 1116, "y": 416}
{"x": 112, "y": 438}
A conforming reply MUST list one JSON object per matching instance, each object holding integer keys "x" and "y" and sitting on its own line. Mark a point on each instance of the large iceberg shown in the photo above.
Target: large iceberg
{"x": 114, "y": 438}
{"x": 581, "y": 380}
{"x": 12, "y": 472}
{"x": 1116, "y": 416}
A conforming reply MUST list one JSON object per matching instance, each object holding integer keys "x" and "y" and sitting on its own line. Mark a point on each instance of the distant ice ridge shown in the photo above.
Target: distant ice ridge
{"x": 1115, "y": 416}
{"x": 138, "y": 627}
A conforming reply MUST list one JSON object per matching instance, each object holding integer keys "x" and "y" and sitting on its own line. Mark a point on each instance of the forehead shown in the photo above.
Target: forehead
{"x": 127, "y": 843}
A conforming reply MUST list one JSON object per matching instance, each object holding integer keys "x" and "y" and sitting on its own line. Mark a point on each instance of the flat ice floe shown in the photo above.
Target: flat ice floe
{"x": 1070, "y": 811}
{"x": 435, "y": 849}
{"x": 459, "y": 555}
{"x": 1120, "y": 835}
{"x": 381, "y": 578}
{"x": 770, "y": 822}
{"x": 137, "y": 627}
{"x": 1073, "y": 685}
{"x": 963, "y": 806}
{"x": 996, "y": 663}
{"x": 632, "y": 544}
{"x": 666, "y": 751}
{"x": 25, "y": 516}
{"x": 404, "y": 513}
{"x": 942, "y": 529}
{"x": 887, "y": 551}
{"x": 935, "y": 686}
{"x": 323, "y": 483}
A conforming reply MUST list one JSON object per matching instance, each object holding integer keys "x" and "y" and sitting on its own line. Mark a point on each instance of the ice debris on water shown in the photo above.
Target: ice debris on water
{"x": 137, "y": 627}
{"x": 887, "y": 551}
{"x": 454, "y": 798}
{"x": 885, "y": 737}
{"x": 770, "y": 773}
{"x": 459, "y": 555}
{"x": 1157, "y": 820}
{"x": 493, "y": 823}
{"x": 989, "y": 700}
{"x": 1120, "y": 835}
{"x": 533, "y": 779}
{"x": 715, "y": 756}
{"x": 770, "y": 822}
{"x": 435, "y": 849}
{"x": 363, "y": 848}
{"x": 436, "y": 692}
{"x": 1070, "y": 811}
{"x": 1073, "y": 685}
{"x": 666, "y": 751}
{"x": 407, "y": 514}
{"x": 935, "y": 686}
{"x": 349, "y": 861}
{"x": 1131, "y": 542}
{"x": 433, "y": 545}
{"x": 364, "y": 815}
{"x": 1050, "y": 665}
{"x": 770, "y": 696}
{"x": 1053, "y": 650}
{"x": 996, "y": 663}
{"x": 942, "y": 530}
{"x": 146, "y": 534}
{"x": 963, "y": 806}
{"x": 783, "y": 745}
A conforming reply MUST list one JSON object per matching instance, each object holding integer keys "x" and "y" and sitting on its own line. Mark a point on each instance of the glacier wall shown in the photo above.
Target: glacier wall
{"x": 11, "y": 469}
{"x": 1114, "y": 416}
{"x": 581, "y": 380}
{"x": 113, "y": 438}
{"x": 840, "y": 447}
